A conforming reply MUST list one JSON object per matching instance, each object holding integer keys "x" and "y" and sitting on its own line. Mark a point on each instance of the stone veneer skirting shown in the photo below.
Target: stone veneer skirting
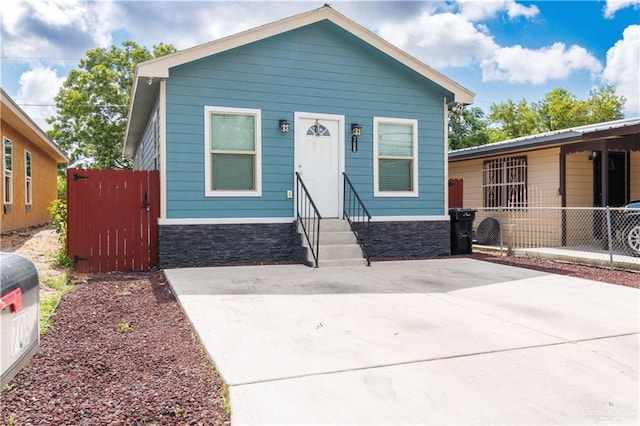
{"x": 211, "y": 245}
{"x": 418, "y": 239}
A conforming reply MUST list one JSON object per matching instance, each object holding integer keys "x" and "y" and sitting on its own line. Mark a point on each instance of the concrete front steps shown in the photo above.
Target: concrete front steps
{"x": 338, "y": 245}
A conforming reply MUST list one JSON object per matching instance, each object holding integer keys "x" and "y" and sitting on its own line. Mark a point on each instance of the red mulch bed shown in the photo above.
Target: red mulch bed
{"x": 611, "y": 276}
{"x": 120, "y": 352}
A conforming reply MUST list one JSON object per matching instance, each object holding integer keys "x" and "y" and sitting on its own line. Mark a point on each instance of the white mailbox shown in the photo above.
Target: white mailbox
{"x": 19, "y": 317}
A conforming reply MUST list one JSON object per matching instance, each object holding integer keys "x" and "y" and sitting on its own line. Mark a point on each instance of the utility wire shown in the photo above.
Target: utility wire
{"x": 28, "y": 58}
{"x": 88, "y": 105}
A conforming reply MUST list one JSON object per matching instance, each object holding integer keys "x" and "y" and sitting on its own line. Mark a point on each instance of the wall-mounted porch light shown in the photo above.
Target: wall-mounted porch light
{"x": 356, "y": 130}
{"x": 284, "y": 126}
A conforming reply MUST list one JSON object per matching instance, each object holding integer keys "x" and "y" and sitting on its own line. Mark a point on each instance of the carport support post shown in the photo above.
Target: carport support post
{"x": 610, "y": 241}
{"x": 604, "y": 176}
{"x": 500, "y": 211}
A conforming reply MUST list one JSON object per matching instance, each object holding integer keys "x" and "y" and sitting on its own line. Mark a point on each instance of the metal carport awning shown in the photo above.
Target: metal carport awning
{"x": 625, "y": 139}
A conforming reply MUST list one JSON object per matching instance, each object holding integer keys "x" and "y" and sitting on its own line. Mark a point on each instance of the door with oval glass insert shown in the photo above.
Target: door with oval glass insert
{"x": 318, "y": 160}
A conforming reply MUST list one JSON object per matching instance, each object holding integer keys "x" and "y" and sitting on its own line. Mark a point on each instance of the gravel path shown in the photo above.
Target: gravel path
{"x": 120, "y": 352}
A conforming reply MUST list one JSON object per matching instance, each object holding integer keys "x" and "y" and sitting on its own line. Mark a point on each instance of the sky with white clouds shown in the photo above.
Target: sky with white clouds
{"x": 499, "y": 49}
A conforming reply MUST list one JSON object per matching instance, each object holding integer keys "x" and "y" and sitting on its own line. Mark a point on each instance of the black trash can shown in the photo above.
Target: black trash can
{"x": 19, "y": 314}
{"x": 462, "y": 230}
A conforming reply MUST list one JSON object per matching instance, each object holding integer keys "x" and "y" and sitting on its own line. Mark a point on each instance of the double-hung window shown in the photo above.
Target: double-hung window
{"x": 504, "y": 182}
{"x": 7, "y": 165}
{"x": 232, "y": 152}
{"x": 395, "y": 162}
{"x": 28, "y": 189}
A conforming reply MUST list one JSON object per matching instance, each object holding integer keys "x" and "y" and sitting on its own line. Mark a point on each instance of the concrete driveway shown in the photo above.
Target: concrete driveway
{"x": 446, "y": 341}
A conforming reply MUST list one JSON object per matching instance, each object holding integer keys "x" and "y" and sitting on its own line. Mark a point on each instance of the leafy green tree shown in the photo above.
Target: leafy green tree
{"x": 467, "y": 127}
{"x": 513, "y": 119}
{"x": 604, "y": 105}
{"x": 558, "y": 110}
{"x": 91, "y": 106}
{"x": 496, "y": 135}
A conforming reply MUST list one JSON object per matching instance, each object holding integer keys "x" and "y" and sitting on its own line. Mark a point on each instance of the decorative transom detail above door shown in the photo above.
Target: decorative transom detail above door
{"x": 317, "y": 129}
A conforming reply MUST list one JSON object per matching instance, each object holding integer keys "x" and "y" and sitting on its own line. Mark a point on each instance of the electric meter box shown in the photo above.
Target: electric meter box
{"x": 19, "y": 318}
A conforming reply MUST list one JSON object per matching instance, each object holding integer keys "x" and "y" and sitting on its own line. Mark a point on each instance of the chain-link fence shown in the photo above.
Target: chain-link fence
{"x": 609, "y": 235}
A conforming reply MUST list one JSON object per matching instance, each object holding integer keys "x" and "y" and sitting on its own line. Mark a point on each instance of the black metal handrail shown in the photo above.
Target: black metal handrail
{"x": 356, "y": 214}
{"x": 308, "y": 216}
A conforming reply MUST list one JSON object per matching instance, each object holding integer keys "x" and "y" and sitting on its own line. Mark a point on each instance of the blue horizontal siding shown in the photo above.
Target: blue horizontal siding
{"x": 319, "y": 68}
{"x": 143, "y": 157}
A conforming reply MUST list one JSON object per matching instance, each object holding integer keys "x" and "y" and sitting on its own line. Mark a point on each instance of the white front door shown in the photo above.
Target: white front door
{"x": 319, "y": 158}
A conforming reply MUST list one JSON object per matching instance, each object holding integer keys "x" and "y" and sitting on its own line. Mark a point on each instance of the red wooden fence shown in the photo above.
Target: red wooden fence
{"x": 455, "y": 193}
{"x": 112, "y": 219}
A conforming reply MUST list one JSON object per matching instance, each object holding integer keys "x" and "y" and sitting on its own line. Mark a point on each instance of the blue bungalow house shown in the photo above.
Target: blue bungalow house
{"x": 268, "y": 139}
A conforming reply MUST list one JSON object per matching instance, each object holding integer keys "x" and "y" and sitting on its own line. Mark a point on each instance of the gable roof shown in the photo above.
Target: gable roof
{"x": 145, "y": 84}
{"x": 17, "y": 118}
{"x": 610, "y": 130}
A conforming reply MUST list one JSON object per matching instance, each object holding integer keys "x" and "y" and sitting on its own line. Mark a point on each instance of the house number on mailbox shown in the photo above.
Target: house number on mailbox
{"x": 20, "y": 332}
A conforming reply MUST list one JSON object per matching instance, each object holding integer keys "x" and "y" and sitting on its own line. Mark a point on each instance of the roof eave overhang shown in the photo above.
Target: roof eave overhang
{"x": 570, "y": 140}
{"x": 525, "y": 145}
{"x": 159, "y": 68}
{"x": 11, "y": 112}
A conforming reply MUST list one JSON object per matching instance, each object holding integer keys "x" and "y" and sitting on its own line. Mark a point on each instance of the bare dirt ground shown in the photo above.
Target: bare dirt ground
{"x": 121, "y": 351}
{"x": 38, "y": 244}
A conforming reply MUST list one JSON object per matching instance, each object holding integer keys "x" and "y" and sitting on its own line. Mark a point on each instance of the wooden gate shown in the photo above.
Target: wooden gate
{"x": 112, "y": 219}
{"x": 456, "y": 192}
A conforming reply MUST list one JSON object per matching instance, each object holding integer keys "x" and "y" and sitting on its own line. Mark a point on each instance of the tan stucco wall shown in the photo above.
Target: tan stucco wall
{"x": 543, "y": 184}
{"x": 470, "y": 171}
{"x": 44, "y": 183}
{"x": 543, "y": 170}
{"x": 543, "y": 177}
{"x": 579, "y": 180}
{"x": 543, "y": 227}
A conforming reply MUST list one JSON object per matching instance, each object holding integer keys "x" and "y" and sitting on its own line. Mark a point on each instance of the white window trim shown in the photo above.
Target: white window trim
{"x": 28, "y": 181}
{"x": 257, "y": 192}
{"x": 7, "y": 173}
{"x": 162, "y": 116}
{"x": 376, "y": 192}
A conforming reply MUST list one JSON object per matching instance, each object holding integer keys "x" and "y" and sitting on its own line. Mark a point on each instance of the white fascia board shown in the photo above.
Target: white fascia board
{"x": 461, "y": 94}
{"x": 159, "y": 67}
